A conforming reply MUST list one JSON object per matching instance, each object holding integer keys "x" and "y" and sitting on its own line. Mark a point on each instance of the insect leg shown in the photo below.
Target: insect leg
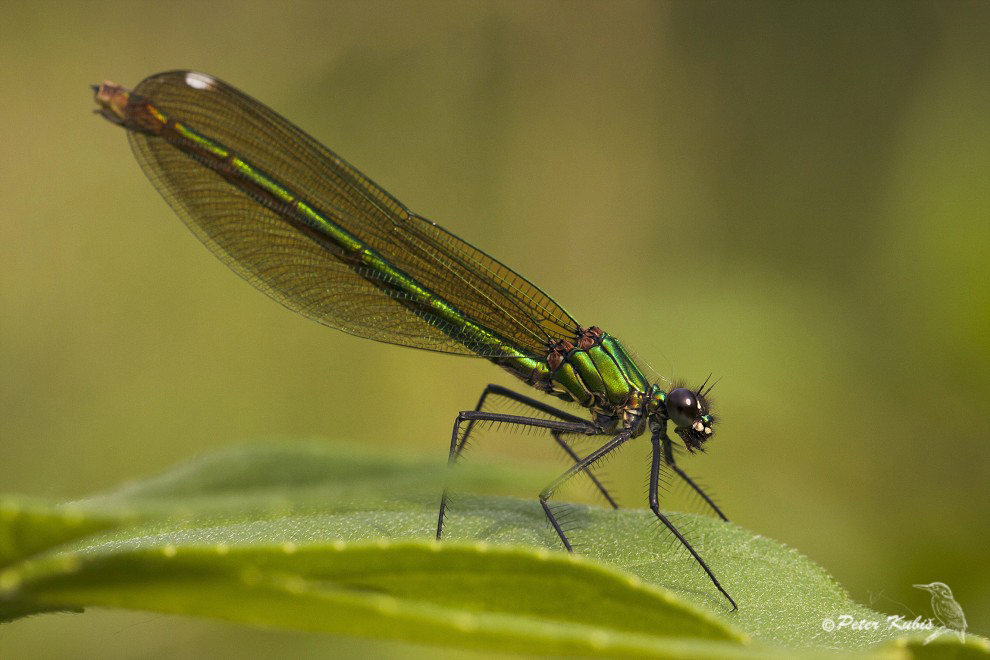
{"x": 580, "y": 466}
{"x": 668, "y": 458}
{"x": 560, "y": 426}
{"x": 498, "y": 390}
{"x": 658, "y": 452}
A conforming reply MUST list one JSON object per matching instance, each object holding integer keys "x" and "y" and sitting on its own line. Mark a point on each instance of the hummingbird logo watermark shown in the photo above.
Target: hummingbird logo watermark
{"x": 946, "y": 610}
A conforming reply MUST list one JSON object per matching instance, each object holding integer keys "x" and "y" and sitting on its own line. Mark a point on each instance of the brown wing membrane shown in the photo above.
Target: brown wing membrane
{"x": 309, "y": 276}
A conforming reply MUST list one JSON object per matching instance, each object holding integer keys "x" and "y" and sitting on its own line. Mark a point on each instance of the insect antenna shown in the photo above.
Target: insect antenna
{"x": 706, "y": 392}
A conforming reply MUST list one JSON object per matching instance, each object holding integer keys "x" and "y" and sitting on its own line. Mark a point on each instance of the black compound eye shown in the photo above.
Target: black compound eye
{"x": 683, "y": 407}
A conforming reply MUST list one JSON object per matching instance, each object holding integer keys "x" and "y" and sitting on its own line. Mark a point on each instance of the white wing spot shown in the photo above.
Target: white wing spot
{"x": 199, "y": 80}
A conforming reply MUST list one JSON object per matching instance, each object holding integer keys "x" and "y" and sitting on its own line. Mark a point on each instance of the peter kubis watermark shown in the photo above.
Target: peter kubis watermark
{"x": 947, "y": 611}
{"x": 897, "y": 621}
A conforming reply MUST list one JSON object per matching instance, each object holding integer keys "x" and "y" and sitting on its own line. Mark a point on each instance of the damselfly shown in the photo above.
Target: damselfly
{"x": 311, "y": 231}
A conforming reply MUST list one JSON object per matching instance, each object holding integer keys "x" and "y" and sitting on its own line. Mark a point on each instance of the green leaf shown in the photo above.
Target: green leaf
{"x": 300, "y": 536}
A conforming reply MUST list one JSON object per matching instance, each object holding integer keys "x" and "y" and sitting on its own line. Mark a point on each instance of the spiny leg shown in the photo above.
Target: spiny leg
{"x": 591, "y": 475}
{"x": 668, "y": 458}
{"x": 580, "y": 426}
{"x": 658, "y": 452}
{"x": 512, "y": 395}
{"x": 498, "y": 390}
{"x": 581, "y": 465}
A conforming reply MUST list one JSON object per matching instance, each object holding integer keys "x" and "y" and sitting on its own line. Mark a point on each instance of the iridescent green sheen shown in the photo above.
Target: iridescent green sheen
{"x": 341, "y": 237}
{"x": 178, "y": 120}
{"x": 632, "y": 373}
{"x": 566, "y": 376}
{"x": 616, "y": 386}
{"x": 586, "y": 371}
{"x": 314, "y": 233}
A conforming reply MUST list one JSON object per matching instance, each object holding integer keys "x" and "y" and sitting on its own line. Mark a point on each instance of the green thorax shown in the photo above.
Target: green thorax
{"x": 592, "y": 369}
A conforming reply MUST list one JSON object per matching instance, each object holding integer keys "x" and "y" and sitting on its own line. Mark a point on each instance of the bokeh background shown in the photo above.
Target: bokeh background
{"x": 794, "y": 196}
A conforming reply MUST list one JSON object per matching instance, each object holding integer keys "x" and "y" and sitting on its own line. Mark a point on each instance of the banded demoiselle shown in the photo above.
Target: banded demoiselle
{"x": 300, "y": 223}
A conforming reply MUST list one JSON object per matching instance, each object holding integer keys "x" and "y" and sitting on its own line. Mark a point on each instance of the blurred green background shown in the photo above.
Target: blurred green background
{"x": 793, "y": 196}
